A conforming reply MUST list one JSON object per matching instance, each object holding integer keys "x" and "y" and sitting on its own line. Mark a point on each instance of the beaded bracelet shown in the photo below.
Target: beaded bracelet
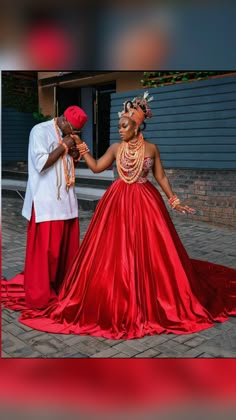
{"x": 174, "y": 201}
{"x": 82, "y": 148}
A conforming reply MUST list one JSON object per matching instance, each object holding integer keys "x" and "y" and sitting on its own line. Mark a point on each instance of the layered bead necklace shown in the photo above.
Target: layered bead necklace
{"x": 68, "y": 164}
{"x": 130, "y": 157}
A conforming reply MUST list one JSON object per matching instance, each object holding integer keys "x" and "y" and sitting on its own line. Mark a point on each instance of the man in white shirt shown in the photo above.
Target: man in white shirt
{"x": 50, "y": 206}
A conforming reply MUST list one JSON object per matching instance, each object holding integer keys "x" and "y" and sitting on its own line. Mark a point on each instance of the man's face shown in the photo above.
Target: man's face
{"x": 68, "y": 128}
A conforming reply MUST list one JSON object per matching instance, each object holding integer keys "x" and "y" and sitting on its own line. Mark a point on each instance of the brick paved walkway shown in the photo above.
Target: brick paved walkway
{"x": 203, "y": 241}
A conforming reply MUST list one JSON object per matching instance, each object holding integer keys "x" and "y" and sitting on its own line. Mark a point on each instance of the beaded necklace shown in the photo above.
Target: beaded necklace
{"x": 132, "y": 155}
{"x": 68, "y": 164}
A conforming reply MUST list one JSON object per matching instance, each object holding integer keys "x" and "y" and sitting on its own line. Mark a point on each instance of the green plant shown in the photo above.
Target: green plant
{"x": 19, "y": 92}
{"x": 40, "y": 117}
{"x": 162, "y": 78}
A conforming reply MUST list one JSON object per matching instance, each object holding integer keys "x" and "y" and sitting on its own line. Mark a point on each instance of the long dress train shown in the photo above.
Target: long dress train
{"x": 132, "y": 276}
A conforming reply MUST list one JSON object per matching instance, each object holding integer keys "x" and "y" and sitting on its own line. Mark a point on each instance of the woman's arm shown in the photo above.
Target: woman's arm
{"x": 103, "y": 162}
{"x": 161, "y": 178}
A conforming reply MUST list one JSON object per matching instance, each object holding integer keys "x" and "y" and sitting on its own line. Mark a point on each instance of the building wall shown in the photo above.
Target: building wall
{"x": 194, "y": 126}
{"x": 128, "y": 80}
{"x": 124, "y": 81}
{"x": 46, "y": 74}
{"x": 46, "y": 101}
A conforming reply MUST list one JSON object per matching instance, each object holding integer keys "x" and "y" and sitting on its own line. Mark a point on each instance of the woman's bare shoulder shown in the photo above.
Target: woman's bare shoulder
{"x": 114, "y": 146}
{"x": 152, "y": 147}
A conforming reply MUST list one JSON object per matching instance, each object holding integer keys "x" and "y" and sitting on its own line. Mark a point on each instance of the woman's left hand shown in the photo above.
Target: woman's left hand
{"x": 184, "y": 209}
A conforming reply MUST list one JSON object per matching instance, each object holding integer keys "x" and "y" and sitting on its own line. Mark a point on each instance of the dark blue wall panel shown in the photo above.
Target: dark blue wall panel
{"x": 194, "y": 124}
{"x": 16, "y": 127}
{"x": 87, "y": 105}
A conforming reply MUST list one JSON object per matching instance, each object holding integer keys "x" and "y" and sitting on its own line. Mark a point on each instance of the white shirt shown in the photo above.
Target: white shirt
{"x": 43, "y": 186}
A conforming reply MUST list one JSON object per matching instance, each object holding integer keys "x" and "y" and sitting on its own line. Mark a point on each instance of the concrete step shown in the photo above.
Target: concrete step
{"x": 84, "y": 176}
{"x": 87, "y": 196}
{"x": 12, "y": 174}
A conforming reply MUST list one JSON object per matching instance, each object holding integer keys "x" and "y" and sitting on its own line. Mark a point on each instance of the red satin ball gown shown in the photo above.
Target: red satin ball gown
{"x": 132, "y": 276}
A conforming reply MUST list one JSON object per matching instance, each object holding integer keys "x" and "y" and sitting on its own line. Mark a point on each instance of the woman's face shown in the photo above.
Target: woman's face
{"x": 126, "y": 128}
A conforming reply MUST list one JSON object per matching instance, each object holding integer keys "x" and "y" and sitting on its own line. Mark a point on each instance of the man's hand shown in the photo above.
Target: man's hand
{"x": 69, "y": 141}
{"x": 73, "y": 151}
{"x": 77, "y": 139}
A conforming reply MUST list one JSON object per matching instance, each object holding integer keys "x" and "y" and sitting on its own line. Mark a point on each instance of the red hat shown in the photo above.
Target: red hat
{"x": 76, "y": 116}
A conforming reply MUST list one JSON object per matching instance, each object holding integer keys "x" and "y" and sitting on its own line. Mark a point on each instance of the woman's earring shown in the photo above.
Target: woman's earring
{"x": 136, "y": 132}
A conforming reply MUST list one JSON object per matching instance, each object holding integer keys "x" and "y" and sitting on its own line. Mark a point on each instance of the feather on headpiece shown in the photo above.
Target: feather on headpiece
{"x": 137, "y": 109}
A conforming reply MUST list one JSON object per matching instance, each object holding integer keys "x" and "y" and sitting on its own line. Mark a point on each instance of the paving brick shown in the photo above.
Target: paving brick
{"x": 46, "y": 344}
{"x": 5, "y": 355}
{"x": 111, "y": 342}
{"x": 209, "y": 333}
{"x": 157, "y": 339}
{"x": 11, "y": 344}
{"x": 137, "y": 346}
{"x": 26, "y": 353}
{"x": 221, "y": 345}
{"x": 185, "y": 337}
{"x": 69, "y": 353}
{"x": 88, "y": 350}
{"x": 106, "y": 353}
{"x": 182, "y": 348}
{"x": 192, "y": 353}
{"x": 120, "y": 356}
{"x": 150, "y": 353}
{"x": 14, "y": 329}
{"x": 207, "y": 356}
{"x": 71, "y": 339}
{"x": 125, "y": 348}
{"x": 169, "y": 354}
{"x": 196, "y": 341}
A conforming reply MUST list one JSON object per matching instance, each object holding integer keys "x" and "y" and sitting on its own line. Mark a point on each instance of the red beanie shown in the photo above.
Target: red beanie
{"x": 76, "y": 116}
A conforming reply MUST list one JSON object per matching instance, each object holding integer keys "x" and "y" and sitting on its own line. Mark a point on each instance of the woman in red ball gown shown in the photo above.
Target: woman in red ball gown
{"x": 132, "y": 276}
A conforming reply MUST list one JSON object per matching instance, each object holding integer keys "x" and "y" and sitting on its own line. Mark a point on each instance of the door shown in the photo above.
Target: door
{"x": 66, "y": 97}
{"x": 102, "y": 119}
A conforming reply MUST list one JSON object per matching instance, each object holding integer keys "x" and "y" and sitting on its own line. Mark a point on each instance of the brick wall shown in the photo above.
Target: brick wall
{"x": 211, "y": 193}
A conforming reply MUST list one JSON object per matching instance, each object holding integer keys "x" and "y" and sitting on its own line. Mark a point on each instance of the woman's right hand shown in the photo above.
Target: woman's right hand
{"x": 184, "y": 209}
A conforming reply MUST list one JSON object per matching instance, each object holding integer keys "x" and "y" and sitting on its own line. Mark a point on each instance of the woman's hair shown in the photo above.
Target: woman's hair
{"x": 127, "y": 105}
{"x": 143, "y": 126}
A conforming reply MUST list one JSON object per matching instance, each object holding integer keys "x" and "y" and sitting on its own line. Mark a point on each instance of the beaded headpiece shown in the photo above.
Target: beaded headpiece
{"x": 137, "y": 109}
